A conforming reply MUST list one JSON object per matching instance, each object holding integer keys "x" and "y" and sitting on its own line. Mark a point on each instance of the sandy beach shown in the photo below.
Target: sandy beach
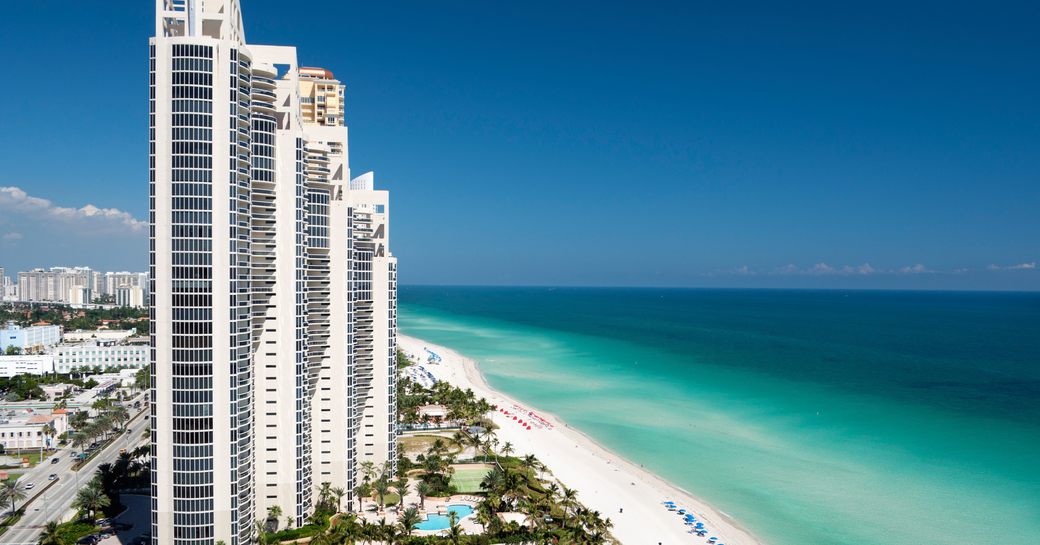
{"x": 629, "y": 495}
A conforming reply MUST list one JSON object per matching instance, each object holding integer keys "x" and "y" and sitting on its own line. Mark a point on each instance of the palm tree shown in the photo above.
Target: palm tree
{"x": 91, "y": 499}
{"x": 51, "y": 534}
{"x": 361, "y": 492}
{"x": 273, "y": 513}
{"x": 368, "y": 470}
{"x": 47, "y": 432}
{"x": 507, "y": 449}
{"x": 339, "y": 492}
{"x": 409, "y": 518}
{"x": 382, "y": 486}
{"x": 258, "y": 528}
{"x": 529, "y": 461}
{"x": 325, "y": 494}
{"x": 11, "y": 492}
{"x": 401, "y": 485}
{"x": 570, "y": 499}
{"x": 454, "y": 530}
{"x": 119, "y": 415}
{"x": 423, "y": 489}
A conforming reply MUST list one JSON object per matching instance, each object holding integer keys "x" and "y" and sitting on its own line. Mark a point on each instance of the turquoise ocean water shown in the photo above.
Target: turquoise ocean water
{"x": 812, "y": 417}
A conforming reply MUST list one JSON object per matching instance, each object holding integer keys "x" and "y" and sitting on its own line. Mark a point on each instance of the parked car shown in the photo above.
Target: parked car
{"x": 88, "y": 540}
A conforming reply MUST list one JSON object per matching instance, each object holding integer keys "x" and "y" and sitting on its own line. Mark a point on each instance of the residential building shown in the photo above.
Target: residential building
{"x": 79, "y": 296}
{"x": 8, "y": 288}
{"x": 33, "y": 338}
{"x": 130, "y": 296}
{"x": 273, "y": 290}
{"x": 374, "y": 279}
{"x": 321, "y": 97}
{"x": 112, "y": 281}
{"x": 28, "y": 430}
{"x": 101, "y": 355}
{"x": 52, "y": 285}
{"x": 26, "y": 364}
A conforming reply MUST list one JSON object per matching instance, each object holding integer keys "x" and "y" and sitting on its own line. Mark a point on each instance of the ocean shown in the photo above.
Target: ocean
{"x": 811, "y": 417}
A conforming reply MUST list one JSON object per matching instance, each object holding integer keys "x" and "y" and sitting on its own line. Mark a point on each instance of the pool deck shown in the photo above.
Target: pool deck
{"x": 439, "y": 506}
{"x": 434, "y": 506}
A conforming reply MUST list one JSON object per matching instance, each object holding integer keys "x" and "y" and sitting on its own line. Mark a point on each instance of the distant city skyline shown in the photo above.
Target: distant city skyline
{"x": 597, "y": 144}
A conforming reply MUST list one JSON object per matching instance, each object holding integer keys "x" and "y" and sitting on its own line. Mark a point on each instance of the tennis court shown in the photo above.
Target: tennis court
{"x": 467, "y": 477}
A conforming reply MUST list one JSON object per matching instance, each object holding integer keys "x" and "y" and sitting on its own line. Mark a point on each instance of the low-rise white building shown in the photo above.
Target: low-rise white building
{"x": 25, "y": 430}
{"x": 71, "y": 358}
{"x": 37, "y": 336}
{"x": 81, "y": 335}
{"x": 22, "y": 364}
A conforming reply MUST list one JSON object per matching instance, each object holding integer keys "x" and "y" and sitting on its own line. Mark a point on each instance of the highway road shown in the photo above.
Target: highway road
{"x": 56, "y": 502}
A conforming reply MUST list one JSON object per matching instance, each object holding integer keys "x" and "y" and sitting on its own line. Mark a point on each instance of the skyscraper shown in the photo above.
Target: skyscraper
{"x": 268, "y": 375}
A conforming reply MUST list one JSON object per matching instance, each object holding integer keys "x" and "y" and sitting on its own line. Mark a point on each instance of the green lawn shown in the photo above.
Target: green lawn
{"x": 467, "y": 477}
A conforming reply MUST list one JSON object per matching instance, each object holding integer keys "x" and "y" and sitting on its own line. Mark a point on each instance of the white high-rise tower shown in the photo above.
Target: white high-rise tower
{"x": 273, "y": 289}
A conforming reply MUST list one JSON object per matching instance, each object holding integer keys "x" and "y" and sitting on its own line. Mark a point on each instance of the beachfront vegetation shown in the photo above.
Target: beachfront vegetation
{"x": 464, "y": 408}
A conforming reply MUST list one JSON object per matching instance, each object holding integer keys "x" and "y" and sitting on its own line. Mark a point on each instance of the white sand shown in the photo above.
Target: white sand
{"x": 605, "y": 482}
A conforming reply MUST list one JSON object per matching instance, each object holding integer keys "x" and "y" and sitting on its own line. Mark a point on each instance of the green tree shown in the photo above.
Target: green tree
{"x": 91, "y": 498}
{"x": 423, "y": 489}
{"x": 11, "y": 493}
{"x": 401, "y": 485}
{"x": 338, "y": 493}
{"x": 382, "y": 486}
{"x": 142, "y": 380}
{"x": 454, "y": 530}
{"x": 273, "y": 513}
{"x": 361, "y": 492}
{"x": 409, "y": 518}
{"x": 51, "y": 534}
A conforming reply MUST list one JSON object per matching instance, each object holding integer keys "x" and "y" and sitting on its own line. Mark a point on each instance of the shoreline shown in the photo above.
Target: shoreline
{"x": 629, "y": 494}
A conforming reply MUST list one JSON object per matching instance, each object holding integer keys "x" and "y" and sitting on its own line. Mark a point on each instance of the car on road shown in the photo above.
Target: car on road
{"x": 30, "y": 486}
{"x": 55, "y": 460}
{"x": 52, "y": 476}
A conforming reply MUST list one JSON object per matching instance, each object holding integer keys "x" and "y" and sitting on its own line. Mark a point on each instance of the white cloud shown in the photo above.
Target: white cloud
{"x": 915, "y": 269}
{"x": 821, "y": 268}
{"x": 790, "y": 268}
{"x": 12, "y": 236}
{"x": 744, "y": 270}
{"x": 87, "y": 219}
{"x": 1019, "y": 267}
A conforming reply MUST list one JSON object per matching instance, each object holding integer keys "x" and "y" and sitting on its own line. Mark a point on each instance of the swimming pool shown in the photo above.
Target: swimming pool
{"x": 440, "y": 522}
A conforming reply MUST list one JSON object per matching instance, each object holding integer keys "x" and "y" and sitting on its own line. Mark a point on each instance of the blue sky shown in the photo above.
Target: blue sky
{"x": 697, "y": 144}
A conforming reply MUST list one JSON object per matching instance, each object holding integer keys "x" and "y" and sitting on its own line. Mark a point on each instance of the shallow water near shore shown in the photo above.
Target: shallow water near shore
{"x": 811, "y": 417}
